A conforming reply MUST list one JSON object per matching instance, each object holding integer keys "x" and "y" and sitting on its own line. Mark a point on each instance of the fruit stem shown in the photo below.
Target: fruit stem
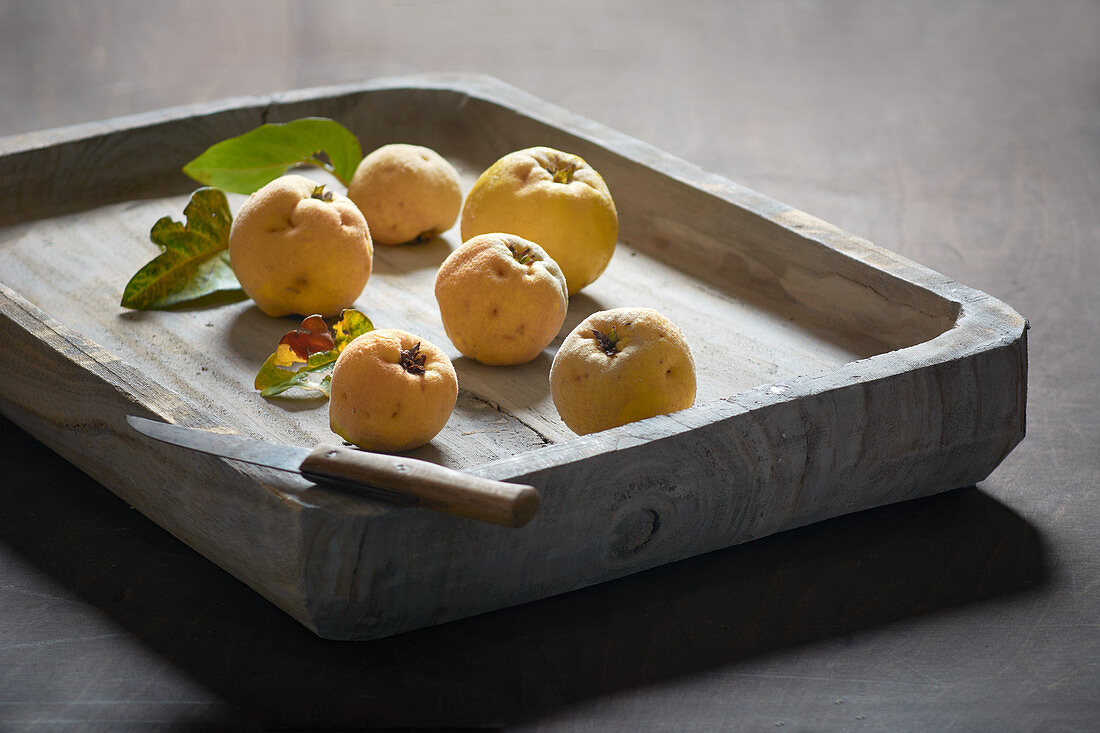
{"x": 321, "y": 193}
{"x": 608, "y": 342}
{"x": 565, "y": 175}
{"x": 324, "y": 162}
{"x": 325, "y": 166}
{"x": 412, "y": 360}
{"x": 522, "y": 256}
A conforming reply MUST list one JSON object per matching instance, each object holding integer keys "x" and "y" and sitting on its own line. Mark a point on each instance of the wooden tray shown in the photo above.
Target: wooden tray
{"x": 834, "y": 376}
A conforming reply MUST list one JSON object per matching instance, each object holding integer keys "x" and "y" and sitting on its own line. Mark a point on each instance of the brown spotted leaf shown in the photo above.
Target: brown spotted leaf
{"x": 305, "y": 356}
{"x": 313, "y": 336}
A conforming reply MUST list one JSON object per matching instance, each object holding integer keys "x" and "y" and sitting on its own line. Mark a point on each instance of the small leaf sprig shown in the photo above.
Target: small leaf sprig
{"x": 304, "y": 357}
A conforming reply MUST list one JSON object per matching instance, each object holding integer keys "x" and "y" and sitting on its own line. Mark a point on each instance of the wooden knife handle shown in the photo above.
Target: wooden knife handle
{"x": 427, "y": 484}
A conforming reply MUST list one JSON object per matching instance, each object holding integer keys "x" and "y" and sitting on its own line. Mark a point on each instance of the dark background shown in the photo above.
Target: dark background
{"x": 963, "y": 135}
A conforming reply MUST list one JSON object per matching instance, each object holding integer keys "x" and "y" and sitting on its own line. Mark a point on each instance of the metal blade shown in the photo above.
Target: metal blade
{"x": 257, "y": 452}
{"x": 235, "y": 447}
{"x": 398, "y": 479}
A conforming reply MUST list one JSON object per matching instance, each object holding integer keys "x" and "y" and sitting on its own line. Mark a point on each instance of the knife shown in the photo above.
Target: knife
{"x": 404, "y": 480}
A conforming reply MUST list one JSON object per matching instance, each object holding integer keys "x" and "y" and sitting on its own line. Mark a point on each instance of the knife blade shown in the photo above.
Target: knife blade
{"x": 405, "y": 480}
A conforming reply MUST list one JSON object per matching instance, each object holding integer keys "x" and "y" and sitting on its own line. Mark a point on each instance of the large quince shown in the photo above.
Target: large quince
{"x": 391, "y": 391}
{"x": 502, "y": 299}
{"x": 298, "y": 247}
{"x": 552, "y": 198}
{"x": 621, "y": 365}
{"x": 408, "y": 193}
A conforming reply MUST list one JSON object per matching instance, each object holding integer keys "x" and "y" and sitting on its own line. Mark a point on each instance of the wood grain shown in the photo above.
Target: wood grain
{"x": 834, "y": 376}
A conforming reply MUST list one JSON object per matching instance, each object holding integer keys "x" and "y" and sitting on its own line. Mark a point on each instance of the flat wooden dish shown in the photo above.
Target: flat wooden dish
{"x": 834, "y": 376}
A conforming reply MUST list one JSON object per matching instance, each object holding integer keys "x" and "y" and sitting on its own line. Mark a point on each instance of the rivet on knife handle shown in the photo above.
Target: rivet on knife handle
{"x": 432, "y": 486}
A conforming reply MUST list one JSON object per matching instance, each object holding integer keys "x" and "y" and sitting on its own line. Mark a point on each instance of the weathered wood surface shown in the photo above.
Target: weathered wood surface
{"x": 834, "y": 376}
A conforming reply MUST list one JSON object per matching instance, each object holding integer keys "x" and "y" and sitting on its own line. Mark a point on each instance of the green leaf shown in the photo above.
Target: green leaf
{"x": 352, "y": 323}
{"x": 194, "y": 259}
{"x": 303, "y": 360}
{"x": 273, "y": 380}
{"x": 246, "y": 163}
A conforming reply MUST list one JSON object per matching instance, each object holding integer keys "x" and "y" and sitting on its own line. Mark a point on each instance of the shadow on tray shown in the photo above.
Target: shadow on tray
{"x": 818, "y": 582}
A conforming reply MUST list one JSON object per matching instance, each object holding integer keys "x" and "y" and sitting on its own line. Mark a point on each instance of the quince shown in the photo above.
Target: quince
{"x": 621, "y": 365}
{"x": 391, "y": 391}
{"x": 408, "y": 193}
{"x": 297, "y": 247}
{"x": 550, "y": 197}
{"x": 502, "y": 298}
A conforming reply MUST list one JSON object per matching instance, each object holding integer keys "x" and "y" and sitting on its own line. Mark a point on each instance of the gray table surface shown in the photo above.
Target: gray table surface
{"x": 964, "y": 135}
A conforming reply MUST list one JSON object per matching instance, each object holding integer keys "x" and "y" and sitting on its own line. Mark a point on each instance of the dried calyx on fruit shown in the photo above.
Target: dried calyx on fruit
{"x": 608, "y": 341}
{"x": 523, "y": 256}
{"x": 563, "y": 174}
{"x": 412, "y": 360}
